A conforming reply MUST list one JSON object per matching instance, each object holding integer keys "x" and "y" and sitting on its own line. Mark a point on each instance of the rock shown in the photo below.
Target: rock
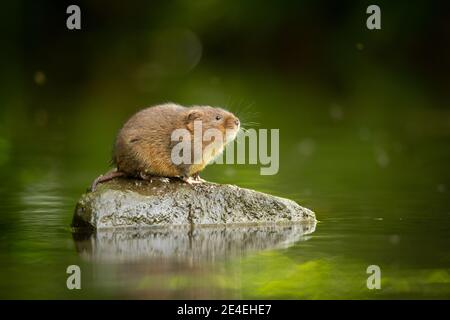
{"x": 163, "y": 202}
{"x": 185, "y": 243}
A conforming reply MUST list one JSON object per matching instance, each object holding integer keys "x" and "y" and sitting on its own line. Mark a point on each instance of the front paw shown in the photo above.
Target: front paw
{"x": 197, "y": 178}
{"x": 192, "y": 180}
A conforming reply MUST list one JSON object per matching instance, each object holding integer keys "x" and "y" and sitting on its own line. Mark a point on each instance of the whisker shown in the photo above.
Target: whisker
{"x": 244, "y": 111}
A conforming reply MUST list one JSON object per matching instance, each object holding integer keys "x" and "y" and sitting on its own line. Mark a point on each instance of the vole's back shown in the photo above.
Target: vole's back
{"x": 143, "y": 144}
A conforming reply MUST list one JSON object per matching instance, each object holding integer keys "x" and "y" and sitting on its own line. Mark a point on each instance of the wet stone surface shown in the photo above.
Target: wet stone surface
{"x": 162, "y": 202}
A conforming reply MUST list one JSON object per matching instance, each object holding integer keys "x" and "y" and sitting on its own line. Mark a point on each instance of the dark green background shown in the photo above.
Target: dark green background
{"x": 364, "y": 121}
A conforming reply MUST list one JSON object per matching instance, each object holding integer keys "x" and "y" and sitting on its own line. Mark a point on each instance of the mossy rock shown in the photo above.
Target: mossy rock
{"x": 170, "y": 202}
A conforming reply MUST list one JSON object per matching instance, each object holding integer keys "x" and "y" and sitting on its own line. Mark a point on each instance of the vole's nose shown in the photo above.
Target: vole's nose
{"x": 236, "y": 121}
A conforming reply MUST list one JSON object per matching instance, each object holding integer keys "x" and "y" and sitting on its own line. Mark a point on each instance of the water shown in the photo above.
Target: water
{"x": 373, "y": 166}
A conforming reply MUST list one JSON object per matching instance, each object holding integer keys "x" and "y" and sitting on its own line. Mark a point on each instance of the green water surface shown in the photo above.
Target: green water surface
{"x": 373, "y": 165}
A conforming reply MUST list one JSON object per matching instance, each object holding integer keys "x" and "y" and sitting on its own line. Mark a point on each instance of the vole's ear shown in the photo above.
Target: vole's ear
{"x": 192, "y": 116}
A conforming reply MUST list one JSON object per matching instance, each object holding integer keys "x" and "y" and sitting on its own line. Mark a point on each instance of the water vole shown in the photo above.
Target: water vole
{"x": 143, "y": 147}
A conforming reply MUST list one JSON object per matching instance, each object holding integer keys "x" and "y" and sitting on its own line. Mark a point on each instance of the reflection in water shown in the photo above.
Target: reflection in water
{"x": 179, "y": 262}
{"x": 41, "y": 201}
{"x": 199, "y": 244}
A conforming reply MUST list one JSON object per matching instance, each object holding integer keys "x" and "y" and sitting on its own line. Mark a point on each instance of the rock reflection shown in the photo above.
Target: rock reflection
{"x": 199, "y": 244}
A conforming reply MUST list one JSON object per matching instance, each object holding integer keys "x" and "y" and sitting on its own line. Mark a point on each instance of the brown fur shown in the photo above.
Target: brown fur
{"x": 143, "y": 145}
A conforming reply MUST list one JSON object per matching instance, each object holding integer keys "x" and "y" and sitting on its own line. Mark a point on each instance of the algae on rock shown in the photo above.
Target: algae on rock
{"x": 168, "y": 202}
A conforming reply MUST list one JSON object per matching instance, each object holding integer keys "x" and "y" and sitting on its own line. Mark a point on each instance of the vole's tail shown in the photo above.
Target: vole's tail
{"x": 106, "y": 177}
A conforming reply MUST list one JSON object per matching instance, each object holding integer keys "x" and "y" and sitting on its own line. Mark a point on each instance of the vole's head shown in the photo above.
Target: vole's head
{"x": 214, "y": 118}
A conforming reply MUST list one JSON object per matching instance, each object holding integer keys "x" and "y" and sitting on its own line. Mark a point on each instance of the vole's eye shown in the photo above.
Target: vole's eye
{"x": 218, "y": 117}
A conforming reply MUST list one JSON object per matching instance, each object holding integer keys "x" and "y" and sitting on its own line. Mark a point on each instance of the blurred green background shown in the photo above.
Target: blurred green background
{"x": 364, "y": 119}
